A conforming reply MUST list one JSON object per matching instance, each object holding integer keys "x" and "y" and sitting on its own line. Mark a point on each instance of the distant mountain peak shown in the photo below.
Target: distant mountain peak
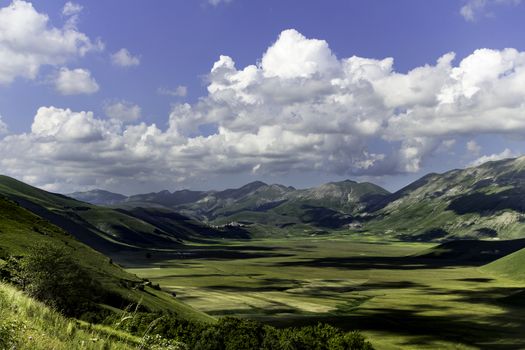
{"x": 96, "y": 190}
{"x": 349, "y": 181}
{"x": 98, "y": 197}
{"x": 255, "y": 184}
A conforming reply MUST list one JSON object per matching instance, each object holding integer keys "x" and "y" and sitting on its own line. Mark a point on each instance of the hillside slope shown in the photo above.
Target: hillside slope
{"x": 487, "y": 201}
{"x": 28, "y": 324}
{"x": 105, "y": 229}
{"x": 512, "y": 265}
{"x": 20, "y": 230}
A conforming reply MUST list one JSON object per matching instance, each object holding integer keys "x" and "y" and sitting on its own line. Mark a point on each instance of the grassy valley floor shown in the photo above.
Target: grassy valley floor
{"x": 398, "y": 297}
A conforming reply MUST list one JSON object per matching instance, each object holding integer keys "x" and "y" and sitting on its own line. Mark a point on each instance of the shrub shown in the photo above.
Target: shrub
{"x": 51, "y": 275}
{"x": 231, "y": 333}
{"x": 10, "y": 270}
{"x": 156, "y": 342}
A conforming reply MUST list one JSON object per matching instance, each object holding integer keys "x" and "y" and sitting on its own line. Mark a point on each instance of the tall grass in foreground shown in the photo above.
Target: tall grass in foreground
{"x": 28, "y": 324}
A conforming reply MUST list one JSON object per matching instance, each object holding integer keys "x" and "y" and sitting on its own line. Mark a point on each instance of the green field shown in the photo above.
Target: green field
{"x": 400, "y": 296}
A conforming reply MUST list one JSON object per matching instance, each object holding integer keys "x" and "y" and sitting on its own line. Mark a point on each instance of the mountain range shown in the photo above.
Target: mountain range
{"x": 329, "y": 206}
{"x": 486, "y": 201}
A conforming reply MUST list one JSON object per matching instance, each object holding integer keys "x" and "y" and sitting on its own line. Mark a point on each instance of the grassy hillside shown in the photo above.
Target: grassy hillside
{"x": 20, "y": 230}
{"x": 104, "y": 229}
{"x": 512, "y": 265}
{"x": 28, "y": 324}
{"x": 487, "y": 201}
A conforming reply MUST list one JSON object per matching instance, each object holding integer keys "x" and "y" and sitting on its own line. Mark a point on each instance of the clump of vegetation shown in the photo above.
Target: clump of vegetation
{"x": 156, "y": 342}
{"x": 49, "y": 274}
{"x": 231, "y": 333}
{"x": 52, "y": 276}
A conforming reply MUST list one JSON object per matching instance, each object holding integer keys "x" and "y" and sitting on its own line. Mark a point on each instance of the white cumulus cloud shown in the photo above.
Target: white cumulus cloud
{"x": 124, "y": 58}
{"x": 122, "y": 110}
{"x": 473, "y": 147}
{"x": 72, "y": 11}
{"x": 179, "y": 91}
{"x": 218, "y": 2}
{"x": 71, "y": 8}
{"x": 339, "y": 115}
{"x": 75, "y": 81}
{"x": 64, "y": 125}
{"x": 28, "y": 41}
{"x": 294, "y": 56}
{"x": 473, "y": 9}
{"x": 506, "y": 153}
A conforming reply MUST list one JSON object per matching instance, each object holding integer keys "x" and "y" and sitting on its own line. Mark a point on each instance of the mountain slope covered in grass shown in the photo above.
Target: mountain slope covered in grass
{"x": 106, "y": 229}
{"x": 512, "y": 265}
{"x": 21, "y": 230}
{"x": 487, "y": 201}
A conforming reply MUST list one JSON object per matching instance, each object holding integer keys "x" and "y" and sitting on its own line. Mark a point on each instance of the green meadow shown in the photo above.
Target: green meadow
{"x": 401, "y": 295}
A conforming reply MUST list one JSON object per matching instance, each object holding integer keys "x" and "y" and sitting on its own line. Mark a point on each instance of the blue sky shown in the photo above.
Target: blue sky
{"x": 158, "y": 117}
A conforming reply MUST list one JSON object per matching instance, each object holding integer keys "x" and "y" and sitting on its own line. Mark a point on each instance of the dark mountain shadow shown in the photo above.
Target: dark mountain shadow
{"x": 515, "y": 299}
{"x": 82, "y": 231}
{"x": 487, "y": 204}
{"x": 475, "y": 251}
{"x": 323, "y": 217}
{"x": 423, "y": 326}
{"x": 369, "y": 263}
{"x": 453, "y": 253}
{"x": 148, "y": 258}
{"x": 268, "y": 206}
{"x": 494, "y": 333}
{"x": 430, "y": 235}
{"x": 476, "y": 280}
{"x": 383, "y": 202}
{"x": 375, "y": 200}
{"x": 183, "y": 227}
